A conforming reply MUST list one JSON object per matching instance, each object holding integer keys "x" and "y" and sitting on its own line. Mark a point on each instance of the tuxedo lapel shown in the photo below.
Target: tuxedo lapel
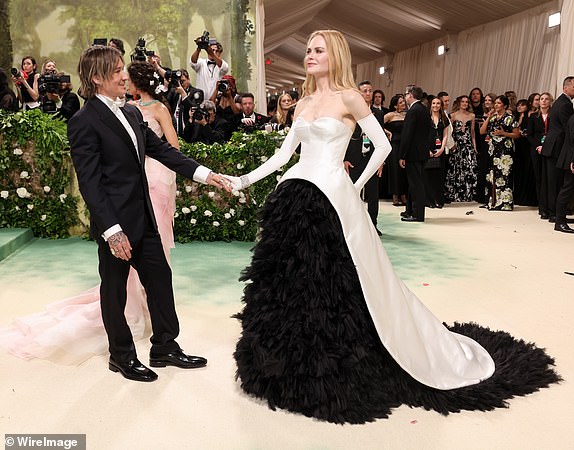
{"x": 112, "y": 122}
{"x": 136, "y": 125}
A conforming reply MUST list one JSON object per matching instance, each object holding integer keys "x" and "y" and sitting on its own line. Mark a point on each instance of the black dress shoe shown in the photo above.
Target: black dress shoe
{"x": 552, "y": 219}
{"x": 563, "y": 227}
{"x": 544, "y": 216}
{"x": 411, "y": 219}
{"x": 133, "y": 370}
{"x": 405, "y": 214}
{"x": 177, "y": 359}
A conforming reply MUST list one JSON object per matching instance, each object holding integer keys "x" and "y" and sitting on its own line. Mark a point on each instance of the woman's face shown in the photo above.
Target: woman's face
{"x": 286, "y": 101}
{"x": 401, "y": 105}
{"x": 521, "y": 108}
{"x": 50, "y": 66}
{"x": 545, "y": 101}
{"x": 316, "y": 58}
{"x": 499, "y": 106}
{"x": 435, "y": 105}
{"x": 488, "y": 102}
{"x": 464, "y": 103}
{"x": 28, "y": 66}
{"x": 536, "y": 102}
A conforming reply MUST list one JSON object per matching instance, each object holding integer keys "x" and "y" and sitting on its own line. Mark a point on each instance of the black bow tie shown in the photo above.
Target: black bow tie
{"x": 210, "y": 62}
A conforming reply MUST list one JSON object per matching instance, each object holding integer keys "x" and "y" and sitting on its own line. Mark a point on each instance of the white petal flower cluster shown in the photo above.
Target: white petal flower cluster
{"x": 4, "y": 194}
{"x": 185, "y": 210}
{"x": 23, "y": 192}
{"x": 207, "y": 213}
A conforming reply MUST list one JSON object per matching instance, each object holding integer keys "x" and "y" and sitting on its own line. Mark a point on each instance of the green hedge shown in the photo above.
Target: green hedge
{"x": 36, "y": 177}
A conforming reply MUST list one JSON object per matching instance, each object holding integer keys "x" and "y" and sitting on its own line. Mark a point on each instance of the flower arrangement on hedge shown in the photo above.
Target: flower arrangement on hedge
{"x": 206, "y": 214}
{"x": 35, "y": 174}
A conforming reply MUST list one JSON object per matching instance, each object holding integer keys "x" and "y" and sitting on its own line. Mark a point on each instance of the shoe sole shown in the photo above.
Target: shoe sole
{"x": 164, "y": 364}
{"x": 127, "y": 377}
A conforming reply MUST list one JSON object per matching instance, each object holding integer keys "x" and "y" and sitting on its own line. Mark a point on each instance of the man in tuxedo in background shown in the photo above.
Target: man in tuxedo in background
{"x": 248, "y": 120}
{"x": 414, "y": 151}
{"x": 551, "y": 174}
{"x": 109, "y": 142}
{"x": 566, "y": 165}
{"x": 357, "y": 156}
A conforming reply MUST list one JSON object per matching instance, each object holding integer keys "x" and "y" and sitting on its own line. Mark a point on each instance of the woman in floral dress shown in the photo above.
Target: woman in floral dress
{"x": 502, "y": 128}
{"x": 460, "y": 184}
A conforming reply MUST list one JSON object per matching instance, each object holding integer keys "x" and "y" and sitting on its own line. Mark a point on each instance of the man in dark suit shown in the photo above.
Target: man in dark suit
{"x": 248, "y": 120}
{"x": 551, "y": 175}
{"x": 109, "y": 142}
{"x": 358, "y": 155}
{"x": 414, "y": 151}
{"x": 566, "y": 164}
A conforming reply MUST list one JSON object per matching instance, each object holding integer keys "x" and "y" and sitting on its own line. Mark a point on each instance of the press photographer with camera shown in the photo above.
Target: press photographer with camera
{"x": 65, "y": 101}
{"x": 204, "y": 125}
{"x": 248, "y": 120}
{"x": 227, "y": 104}
{"x": 24, "y": 81}
{"x": 209, "y": 71}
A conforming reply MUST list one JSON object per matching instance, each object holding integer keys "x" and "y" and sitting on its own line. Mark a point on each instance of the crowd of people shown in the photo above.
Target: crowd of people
{"x": 493, "y": 149}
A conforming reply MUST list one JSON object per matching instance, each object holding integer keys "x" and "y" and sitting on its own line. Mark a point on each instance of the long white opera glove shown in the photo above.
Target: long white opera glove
{"x": 372, "y": 128}
{"x": 278, "y": 160}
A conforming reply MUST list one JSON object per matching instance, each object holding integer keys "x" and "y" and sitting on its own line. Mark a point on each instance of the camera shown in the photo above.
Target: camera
{"x": 223, "y": 86}
{"x": 100, "y": 41}
{"x": 173, "y": 77}
{"x": 193, "y": 99}
{"x": 203, "y": 42}
{"x": 140, "y": 53}
{"x": 49, "y": 83}
{"x": 15, "y": 72}
{"x": 201, "y": 113}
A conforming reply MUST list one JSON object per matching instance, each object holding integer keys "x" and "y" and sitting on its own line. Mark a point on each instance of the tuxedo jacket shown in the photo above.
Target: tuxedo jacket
{"x": 557, "y": 118}
{"x": 379, "y": 114}
{"x": 111, "y": 175}
{"x": 416, "y": 135}
{"x": 355, "y": 155}
{"x": 260, "y": 120}
{"x": 567, "y": 153}
{"x": 535, "y": 130}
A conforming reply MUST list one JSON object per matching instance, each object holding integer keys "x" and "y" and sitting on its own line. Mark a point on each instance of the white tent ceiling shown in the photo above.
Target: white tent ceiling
{"x": 373, "y": 28}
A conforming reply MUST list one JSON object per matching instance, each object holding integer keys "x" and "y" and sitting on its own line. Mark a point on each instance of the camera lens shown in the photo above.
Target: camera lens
{"x": 14, "y": 71}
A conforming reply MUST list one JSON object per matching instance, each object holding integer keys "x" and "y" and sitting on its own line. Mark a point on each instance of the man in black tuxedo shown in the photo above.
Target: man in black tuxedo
{"x": 414, "y": 151}
{"x": 248, "y": 120}
{"x": 358, "y": 154}
{"x": 109, "y": 142}
{"x": 552, "y": 175}
{"x": 566, "y": 164}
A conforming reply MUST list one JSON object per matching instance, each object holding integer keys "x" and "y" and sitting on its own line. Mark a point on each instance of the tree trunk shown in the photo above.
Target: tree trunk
{"x": 6, "y": 56}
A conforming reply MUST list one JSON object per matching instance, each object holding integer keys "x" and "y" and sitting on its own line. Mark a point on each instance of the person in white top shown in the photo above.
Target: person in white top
{"x": 209, "y": 71}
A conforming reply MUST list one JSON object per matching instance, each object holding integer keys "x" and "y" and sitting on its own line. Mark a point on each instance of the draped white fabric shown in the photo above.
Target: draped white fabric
{"x": 260, "y": 97}
{"x": 518, "y": 53}
{"x": 566, "y": 56}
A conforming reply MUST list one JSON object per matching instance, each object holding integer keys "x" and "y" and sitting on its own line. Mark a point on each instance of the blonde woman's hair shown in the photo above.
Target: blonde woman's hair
{"x": 96, "y": 61}
{"x": 281, "y": 116}
{"x": 46, "y": 61}
{"x": 340, "y": 74}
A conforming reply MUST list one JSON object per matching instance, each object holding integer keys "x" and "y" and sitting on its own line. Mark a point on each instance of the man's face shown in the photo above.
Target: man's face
{"x": 475, "y": 96}
{"x": 409, "y": 98}
{"x": 215, "y": 50}
{"x": 184, "y": 82}
{"x": 378, "y": 99}
{"x": 115, "y": 85}
{"x": 569, "y": 89}
{"x": 367, "y": 92}
{"x": 248, "y": 105}
{"x": 445, "y": 102}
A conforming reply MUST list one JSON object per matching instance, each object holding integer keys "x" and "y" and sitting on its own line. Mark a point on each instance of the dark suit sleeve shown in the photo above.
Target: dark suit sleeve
{"x": 407, "y": 134}
{"x": 85, "y": 150}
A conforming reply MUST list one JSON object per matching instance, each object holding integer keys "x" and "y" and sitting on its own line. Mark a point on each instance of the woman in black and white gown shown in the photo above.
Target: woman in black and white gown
{"x": 329, "y": 330}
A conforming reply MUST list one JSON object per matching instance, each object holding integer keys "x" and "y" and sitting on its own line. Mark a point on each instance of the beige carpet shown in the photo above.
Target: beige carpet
{"x": 503, "y": 270}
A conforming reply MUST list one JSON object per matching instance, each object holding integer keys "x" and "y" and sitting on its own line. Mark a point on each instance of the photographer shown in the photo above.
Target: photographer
{"x": 8, "y": 100}
{"x": 209, "y": 71}
{"x": 248, "y": 120}
{"x": 226, "y": 103}
{"x": 204, "y": 126}
{"x": 24, "y": 81}
{"x": 67, "y": 103}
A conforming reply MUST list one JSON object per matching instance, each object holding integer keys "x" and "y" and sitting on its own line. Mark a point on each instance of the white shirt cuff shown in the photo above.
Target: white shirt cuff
{"x": 111, "y": 231}
{"x": 201, "y": 173}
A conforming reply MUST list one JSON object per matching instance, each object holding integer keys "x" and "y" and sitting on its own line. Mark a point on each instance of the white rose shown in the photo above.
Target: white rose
{"x": 17, "y": 208}
{"x": 241, "y": 194}
{"x": 235, "y": 193}
{"x": 185, "y": 210}
{"x": 232, "y": 211}
{"x": 211, "y": 194}
{"x": 188, "y": 188}
{"x": 193, "y": 208}
{"x": 227, "y": 216}
{"x": 177, "y": 193}
{"x": 263, "y": 158}
{"x": 176, "y": 215}
{"x": 241, "y": 222}
{"x": 253, "y": 201}
{"x": 43, "y": 217}
{"x": 30, "y": 206}
{"x": 63, "y": 197}
{"x": 18, "y": 151}
{"x": 4, "y": 194}
{"x": 193, "y": 221}
{"x": 242, "y": 200}
{"x": 22, "y": 192}
{"x": 24, "y": 174}
{"x": 240, "y": 166}
{"x": 278, "y": 178}
{"x": 207, "y": 213}
{"x": 215, "y": 224}
{"x": 47, "y": 189}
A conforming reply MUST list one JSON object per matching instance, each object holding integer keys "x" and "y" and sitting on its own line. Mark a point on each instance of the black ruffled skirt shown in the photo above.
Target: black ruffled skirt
{"x": 309, "y": 344}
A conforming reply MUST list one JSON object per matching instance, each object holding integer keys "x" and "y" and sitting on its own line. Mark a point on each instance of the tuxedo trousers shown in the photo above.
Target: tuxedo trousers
{"x": 564, "y": 196}
{"x": 416, "y": 197}
{"x": 550, "y": 183}
{"x": 148, "y": 259}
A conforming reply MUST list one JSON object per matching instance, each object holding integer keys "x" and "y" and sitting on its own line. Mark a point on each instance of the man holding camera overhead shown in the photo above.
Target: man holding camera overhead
{"x": 209, "y": 71}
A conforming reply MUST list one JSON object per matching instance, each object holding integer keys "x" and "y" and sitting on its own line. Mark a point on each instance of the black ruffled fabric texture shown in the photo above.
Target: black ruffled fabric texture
{"x": 309, "y": 344}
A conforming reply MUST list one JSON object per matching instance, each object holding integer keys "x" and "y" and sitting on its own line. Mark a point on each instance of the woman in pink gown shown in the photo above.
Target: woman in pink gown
{"x": 71, "y": 330}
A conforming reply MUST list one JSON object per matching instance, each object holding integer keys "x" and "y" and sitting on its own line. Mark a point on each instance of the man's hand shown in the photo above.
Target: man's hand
{"x": 572, "y": 167}
{"x": 214, "y": 179}
{"x": 402, "y": 163}
{"x": 348, "y": 166}
{"x": 247, "y": 121}
{"x": 380, "y": 170}
{"x": 120, "y": 246}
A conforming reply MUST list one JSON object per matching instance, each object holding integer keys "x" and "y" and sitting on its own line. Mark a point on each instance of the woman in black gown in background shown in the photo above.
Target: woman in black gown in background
{"x": 328, "y": 329}
{"x": 394, "y": 121}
